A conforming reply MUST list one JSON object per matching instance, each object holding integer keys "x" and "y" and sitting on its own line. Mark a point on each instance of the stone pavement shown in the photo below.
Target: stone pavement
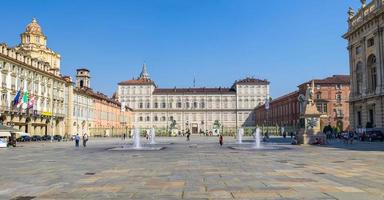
{"x": 199, "y": 169}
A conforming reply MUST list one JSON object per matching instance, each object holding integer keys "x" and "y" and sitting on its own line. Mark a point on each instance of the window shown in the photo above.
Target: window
{"x": 338, "y": 86}
{"x": 156, "y": 105}
{"x": 371, "y": 42}
{"x": 371, "y": 119}
{"x": 140, "y": 119}
{"x": 194, "y": 104}
{"x": 358, "y": 50}
{"x": 140, "y": 105}
{"x": 148, "y": 105}
{"x": 187, "y": 104}
{"x": 148, "y": 119}
{"x": 318, "y": 95}
{"x": 372, "y": 80}
{"x": 359, "y": 118}
{"x": 359, "y": 78}
{"x": 178, "y": 104}
{"x": 156, "y": 118}
{"x": 163, "y": 105}
{"x": 338, "y": 98}
{"x": 162, "y": 118}
{"x": 325, "y": 107}
{"x": 318, "y": 86}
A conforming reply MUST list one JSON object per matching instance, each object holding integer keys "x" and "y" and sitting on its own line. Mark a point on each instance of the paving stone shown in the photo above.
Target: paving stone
{"x": 59, "y": 171}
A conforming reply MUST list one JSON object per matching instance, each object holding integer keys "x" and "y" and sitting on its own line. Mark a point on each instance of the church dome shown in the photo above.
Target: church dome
{"x": 34, "y": 27}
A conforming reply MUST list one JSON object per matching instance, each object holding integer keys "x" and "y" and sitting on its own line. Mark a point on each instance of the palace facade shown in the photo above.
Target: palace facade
{"x": 38, "y": 100}
{"x": 38, "y": 78}
{"x": 331, "y": 97}
{"x": 365, "y": 45}
{"x": 93, "y": 112}
{"x": 194, "y": 109}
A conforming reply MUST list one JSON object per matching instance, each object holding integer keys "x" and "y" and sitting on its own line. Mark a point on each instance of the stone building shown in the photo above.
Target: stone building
{"x": 36, "y": 76}
{"x": 365, "y": 46}
{"x": 331, "y": 98}
{"x": 93, "y": 112}
{"x": 194, "y": 109}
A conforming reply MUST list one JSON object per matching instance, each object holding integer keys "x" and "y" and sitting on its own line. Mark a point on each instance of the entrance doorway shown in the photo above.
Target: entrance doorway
{"x": 195, "y": 129}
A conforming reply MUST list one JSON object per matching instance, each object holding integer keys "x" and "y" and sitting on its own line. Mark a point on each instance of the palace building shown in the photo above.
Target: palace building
{"x": 32, "y": 90}
{"x": 93, "y": 112}
{"x": 195, "y": 109}
{"x": 365, "y": 45}
{"x": 332, "y": 101}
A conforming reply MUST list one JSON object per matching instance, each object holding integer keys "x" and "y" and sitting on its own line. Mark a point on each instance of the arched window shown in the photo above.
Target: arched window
{"x": 359, "y": 78}
{"x": 372, "y": 73}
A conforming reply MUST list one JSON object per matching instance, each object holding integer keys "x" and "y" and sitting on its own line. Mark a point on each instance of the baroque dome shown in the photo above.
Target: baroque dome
{"x": 34, "y": 27}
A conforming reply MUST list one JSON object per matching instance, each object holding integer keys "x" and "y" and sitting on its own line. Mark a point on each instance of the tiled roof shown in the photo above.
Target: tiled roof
{"x": 252, "y": 81}
{"x": 194, "y": 91}
{"x": 137, "y": 82}
{"x": 335, "y": 79}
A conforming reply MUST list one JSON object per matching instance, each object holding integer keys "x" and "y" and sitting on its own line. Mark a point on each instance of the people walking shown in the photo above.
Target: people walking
{"x": 221, "y": 140}
{"x": 188, "y": 135}
{"x": 85, "y": 139}
{"x": 77, "y": 140}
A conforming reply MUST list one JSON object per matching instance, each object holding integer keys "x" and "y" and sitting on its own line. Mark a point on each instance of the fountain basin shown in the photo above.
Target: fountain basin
{"x": 261, "y": 148}
{"x": 132, "y": 148}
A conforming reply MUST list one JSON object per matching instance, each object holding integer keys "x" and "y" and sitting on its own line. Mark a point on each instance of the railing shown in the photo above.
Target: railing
{"x": 362, "y": 13}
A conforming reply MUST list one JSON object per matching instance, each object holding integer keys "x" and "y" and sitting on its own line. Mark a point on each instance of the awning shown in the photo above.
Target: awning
{"x": 21, "y": 134}
{"x": 5, "y": 134}
{"x": 7, "y": 129}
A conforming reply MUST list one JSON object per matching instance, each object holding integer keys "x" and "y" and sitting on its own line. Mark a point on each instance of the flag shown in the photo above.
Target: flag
{"x": 267, "y": 103}
{"x": 16, "y": 99}
{"x": 24, "y": 102}
{"x": 31, "y": 102}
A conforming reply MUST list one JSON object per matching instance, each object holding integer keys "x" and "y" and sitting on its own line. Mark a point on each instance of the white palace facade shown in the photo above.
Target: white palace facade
{"x": 194, "y": 109}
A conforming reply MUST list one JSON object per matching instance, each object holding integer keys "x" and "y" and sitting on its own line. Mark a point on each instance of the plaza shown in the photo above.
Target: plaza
{"x": 199, "y": 169}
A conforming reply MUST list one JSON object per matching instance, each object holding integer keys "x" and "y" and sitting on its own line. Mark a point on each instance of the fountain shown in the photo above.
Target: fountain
{"x": 257, "y": 138}
{"x": 153, "y": 135}
{"x": 240, "y": 133}
{"x": 252, "y": 145}
{"x": 136, "y": 145}
{"x": 136, "y": 139}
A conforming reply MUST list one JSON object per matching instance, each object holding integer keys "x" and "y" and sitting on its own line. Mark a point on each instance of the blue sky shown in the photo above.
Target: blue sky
{"x": 215, "y": 41}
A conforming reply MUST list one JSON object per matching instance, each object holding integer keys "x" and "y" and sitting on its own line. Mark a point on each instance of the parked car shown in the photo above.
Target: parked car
{"x": 36, "y": 138}
{"x": 46, "y": 137}
{"x": 57, "y": 137}
{"x": 373, "y": 135}
{"x": 24, "y": 138}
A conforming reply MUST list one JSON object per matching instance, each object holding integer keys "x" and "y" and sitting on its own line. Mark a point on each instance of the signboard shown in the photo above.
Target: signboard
{"x": 46, "y": 114}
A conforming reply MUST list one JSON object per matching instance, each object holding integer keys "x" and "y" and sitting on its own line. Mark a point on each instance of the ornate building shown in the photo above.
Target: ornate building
{"x": 28, "y": 75}
{"x": 331, "y": 96}
{"x": 365, "y": 46}
{"x": 194, "y": 109}
{"x": 34, "y": 44}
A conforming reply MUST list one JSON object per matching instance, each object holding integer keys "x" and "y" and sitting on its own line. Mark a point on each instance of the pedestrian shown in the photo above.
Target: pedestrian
{"x": 77, "y": 140}
{"x": 221, "y": 140}
{"x": 284, "y": 135}
{"x": 124, "y": 136}
{"x": 188, "y": 135}
{"x": 85, "y": 139}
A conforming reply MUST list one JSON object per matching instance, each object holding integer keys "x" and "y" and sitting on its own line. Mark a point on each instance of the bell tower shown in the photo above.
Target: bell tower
{"x": 83, "y": 78}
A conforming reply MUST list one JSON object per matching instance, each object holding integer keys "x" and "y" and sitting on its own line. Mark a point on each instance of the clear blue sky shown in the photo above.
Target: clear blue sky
{"x": 215, "y": 41}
